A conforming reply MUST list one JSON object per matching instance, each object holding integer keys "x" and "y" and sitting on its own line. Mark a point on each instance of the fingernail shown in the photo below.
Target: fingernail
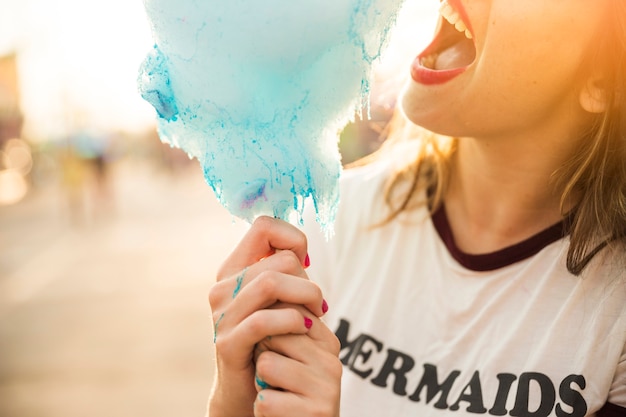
{"x": 308, "y": 323}
{"x": 307, "y": 261}
{"x": 324, "y": 307}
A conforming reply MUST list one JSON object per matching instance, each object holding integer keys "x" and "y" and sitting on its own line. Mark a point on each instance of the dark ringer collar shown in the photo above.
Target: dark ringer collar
{"x": 503, "y": 257}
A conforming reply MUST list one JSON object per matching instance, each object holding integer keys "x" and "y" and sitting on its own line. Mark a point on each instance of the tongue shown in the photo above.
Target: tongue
{"x": 458, "y": 55}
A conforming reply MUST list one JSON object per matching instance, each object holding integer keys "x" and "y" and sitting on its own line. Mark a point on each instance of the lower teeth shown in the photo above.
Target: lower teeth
{"x": 429, "y": 61}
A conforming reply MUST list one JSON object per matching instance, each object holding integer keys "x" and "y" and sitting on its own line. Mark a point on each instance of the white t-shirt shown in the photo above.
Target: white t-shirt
{"x": 425, "y": 332}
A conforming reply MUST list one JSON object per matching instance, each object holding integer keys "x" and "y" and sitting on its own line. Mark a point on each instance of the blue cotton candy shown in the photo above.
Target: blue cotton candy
{"x": 257, "y": 91}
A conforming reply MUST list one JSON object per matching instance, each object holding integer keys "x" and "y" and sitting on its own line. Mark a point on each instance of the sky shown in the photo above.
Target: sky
{"x": 78, "y": 60}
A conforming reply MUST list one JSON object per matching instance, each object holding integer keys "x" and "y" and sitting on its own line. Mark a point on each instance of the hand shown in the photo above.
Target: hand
{"x": 259, "y": 273}
{"x": 298, "y": 375}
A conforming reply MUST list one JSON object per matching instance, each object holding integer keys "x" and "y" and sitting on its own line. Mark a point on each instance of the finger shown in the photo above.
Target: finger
{"x": 319, "y": 331}
{"x": 228, "y": 288}
{"x": 274, "y": 287}
{"x": 265, "y": 236}
{"x": 260, "y": 384}
{"x": 264, "y": 283}
{"x": 274, "y": 403}
{"x": 303, "y": 348}
{"x": 238, "y": 342}
{"x": 281, "y": 372}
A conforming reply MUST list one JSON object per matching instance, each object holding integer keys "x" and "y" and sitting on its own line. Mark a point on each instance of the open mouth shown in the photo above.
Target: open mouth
{"x": 452, "y": 50}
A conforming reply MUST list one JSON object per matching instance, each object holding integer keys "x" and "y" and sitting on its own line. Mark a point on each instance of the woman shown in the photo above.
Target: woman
{"x": 487, "y": 275}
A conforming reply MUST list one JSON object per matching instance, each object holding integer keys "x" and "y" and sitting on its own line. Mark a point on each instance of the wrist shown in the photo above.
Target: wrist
{"x": 230, "y": 402}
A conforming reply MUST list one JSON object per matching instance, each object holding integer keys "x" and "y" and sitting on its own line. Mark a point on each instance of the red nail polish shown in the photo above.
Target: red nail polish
{"x": 324, "y": 307}
{"x": 307, "y": 261}
{"x": 308, "y": 323}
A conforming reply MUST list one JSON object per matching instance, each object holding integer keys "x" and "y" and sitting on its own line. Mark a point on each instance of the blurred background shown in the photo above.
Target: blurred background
{"x": 109, "y": 240}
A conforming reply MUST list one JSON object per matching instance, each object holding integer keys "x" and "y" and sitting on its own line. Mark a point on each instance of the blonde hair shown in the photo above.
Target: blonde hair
{"x": 595, "y": 175}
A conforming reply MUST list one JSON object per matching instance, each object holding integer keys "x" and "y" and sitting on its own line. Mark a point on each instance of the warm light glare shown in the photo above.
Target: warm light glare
{"x": 414, "y": 30}
{"x": 17, "y": 156}
{"x": 78, "y": 63}
{"x": 13, "y": 187}
{"x": 16, "y": 162}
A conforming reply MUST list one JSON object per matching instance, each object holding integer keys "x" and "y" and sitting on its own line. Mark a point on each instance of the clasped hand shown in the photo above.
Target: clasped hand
{"x": 274, "y": 356}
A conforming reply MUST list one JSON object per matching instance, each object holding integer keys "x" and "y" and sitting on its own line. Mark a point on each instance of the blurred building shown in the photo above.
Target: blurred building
{"x": 11, "y": 117}
{"x": 15, "y": 154}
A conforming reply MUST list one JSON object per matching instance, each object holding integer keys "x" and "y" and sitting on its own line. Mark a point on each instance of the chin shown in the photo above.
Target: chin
{"x": 416, "y": 109}
{"x": 427, "y": 117}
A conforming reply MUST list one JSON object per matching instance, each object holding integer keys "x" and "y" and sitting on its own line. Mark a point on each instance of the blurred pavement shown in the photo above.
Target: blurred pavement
{"x": 108, "y": 315}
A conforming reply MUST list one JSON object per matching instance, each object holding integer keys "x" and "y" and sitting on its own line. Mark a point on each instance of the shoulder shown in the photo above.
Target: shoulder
{"x": 370, "y": 182}
{"x": 386, "y": 165}
{"x": 367, "y": 181}
{"x": 607, "y": 270}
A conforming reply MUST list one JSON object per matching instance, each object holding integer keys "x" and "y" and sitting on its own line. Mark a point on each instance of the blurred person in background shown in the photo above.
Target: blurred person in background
{"x": 477, "y": 268}
{"x": 74, "y": 178}
{"x": 86, "y": 177}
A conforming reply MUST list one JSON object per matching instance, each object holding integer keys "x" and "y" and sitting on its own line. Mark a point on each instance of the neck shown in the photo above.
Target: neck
{"x": 501, "y": 191}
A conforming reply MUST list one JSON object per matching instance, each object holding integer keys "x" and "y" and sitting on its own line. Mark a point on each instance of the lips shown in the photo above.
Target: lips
{"x": 451, "y": 52}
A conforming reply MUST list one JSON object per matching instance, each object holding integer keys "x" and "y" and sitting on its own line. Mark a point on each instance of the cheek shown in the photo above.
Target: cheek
{"x": 528, "y": 74}
{"x": 543, "y": 49}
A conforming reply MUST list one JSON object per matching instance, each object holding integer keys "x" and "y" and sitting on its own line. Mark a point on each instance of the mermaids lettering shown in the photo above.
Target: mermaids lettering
{"x": 563, "y": 398}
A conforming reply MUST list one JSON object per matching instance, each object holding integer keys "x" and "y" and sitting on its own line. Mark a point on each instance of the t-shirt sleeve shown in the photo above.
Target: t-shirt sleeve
{"x": 617, "y": 394}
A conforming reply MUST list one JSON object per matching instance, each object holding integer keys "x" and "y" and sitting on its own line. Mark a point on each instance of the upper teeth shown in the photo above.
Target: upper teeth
{"x": 454, "y": 18}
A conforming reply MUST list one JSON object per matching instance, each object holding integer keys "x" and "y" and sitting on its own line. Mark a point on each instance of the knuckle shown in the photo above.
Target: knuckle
{"x": 318, "y": 291}
{"x": 288, "y": 261}
{"x": 227, "y": 268}
{"x": 220, "y": 292}
{"x": 267, "y": 283}
{"x": 335, "y": 346}
{"x": 221, "y": 273}
{"x": 262, "y": 225}
{"x": 299, "y": 238}
{"x": 295, "y": 317}
{"x": 262, "y": 406}
{"x": 263, "y": 364}
{"x": 336, "y": 369}
{"x": 222, "y": 345}
{"x": 216, "y": 294}
{"x": 256, "y": 324}
{"x": 303, "y": 241}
